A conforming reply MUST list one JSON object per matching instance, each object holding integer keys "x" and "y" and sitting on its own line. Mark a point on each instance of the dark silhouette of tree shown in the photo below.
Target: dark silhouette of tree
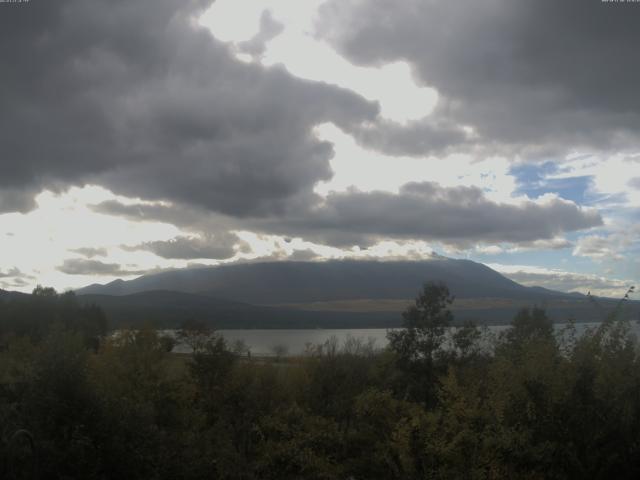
{"x": 36, "y": 314}
{"x": 195, "y": 334}
{"x": 418, "y": 345}
{"x": 530, "y": 324}
{"x": 432, "y": 405}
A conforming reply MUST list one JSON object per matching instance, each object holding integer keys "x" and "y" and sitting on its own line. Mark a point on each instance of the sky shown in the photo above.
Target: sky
{"x": 146, "y": 135}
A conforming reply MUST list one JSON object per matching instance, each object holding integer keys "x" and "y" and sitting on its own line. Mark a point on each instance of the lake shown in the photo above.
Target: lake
{"x": 295, "y": 342}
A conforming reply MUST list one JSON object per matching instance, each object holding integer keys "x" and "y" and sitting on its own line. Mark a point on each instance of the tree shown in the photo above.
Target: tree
{"x": 35, "y": 315}
{"x": 418, "y": 345}
{"x": 530, "y": 324}
{"x": 195, "y": 334}
{"x": 279, "y": 350}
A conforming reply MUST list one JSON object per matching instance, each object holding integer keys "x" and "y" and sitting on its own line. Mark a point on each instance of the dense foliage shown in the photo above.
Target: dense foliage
{"x": 35, "y": 315}
{"x": 438, "y": 403}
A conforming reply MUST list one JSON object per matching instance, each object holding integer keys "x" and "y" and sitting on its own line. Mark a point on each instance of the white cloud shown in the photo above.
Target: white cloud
{"x": 307, "y": 57}
{"x": 354, "y": 165}
{"x": 63, "y": 227}
{"x": 610, "y": 177}
{"x": 557, "y": 243}
{"x": 533, "y": 276}
{"x": 264, "y": 246}
{"x": 41, "y": 239}
{"x": 611, "y": 246}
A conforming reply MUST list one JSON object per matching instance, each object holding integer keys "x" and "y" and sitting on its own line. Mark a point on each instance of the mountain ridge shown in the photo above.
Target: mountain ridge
{"x": 329, "y": 294}
{"x": 269, "y": 283}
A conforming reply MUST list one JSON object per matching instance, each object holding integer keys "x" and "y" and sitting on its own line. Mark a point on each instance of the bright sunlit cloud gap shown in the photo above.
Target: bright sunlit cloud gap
{"x": 391, "y": 85}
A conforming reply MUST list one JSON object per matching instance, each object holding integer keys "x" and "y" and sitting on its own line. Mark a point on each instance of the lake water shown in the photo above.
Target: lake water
{"x": 295, "y": 342}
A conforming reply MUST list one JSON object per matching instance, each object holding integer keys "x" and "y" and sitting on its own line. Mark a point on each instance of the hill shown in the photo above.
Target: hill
{"x": 6, "y": 295}
{"x": 276, "y": 283}
{"x": 330, "y": 294}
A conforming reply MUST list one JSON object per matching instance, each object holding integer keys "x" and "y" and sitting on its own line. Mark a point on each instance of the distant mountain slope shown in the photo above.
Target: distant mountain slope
{"x": 6, "y": 295}
{"x": 301, "y": 282}
{"x": 345, "y": 294}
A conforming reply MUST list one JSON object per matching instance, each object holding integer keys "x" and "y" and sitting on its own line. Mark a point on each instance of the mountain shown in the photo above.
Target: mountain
{"x": 331, "y": 294}
{"x": 6, "y": 295}
{"x": 277, "y": 283}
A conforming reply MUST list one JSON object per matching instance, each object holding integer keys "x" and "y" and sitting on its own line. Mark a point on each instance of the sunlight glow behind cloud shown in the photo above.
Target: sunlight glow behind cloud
{"x": 262, "y": 166}
{"x": 392, "y": 85}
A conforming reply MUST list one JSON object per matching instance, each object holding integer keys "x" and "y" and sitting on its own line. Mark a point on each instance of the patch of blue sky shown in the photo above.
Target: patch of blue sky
{"x": 537, "y": 180}
{"x": 534, "y": 171}
{"x": 575, "y": 189}
{"x": 618, "y": 216}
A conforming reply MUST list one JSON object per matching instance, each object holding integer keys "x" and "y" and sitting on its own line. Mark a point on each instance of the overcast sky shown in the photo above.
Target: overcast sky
{"x": 142, "y": 135}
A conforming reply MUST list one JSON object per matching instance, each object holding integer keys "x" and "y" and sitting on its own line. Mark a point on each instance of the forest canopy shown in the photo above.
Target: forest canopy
{"x": 438, "y": 402}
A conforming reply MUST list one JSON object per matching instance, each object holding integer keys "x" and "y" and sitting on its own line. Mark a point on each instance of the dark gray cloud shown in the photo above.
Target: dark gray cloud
{"x": 15, "y": 278}
{"x": 90, "y": 252}
{"x": 427, "y": 136}
{"x": 14, "y": 199}
{"x": 13, "y": 273}
{"x": 134, "y": 96}
{"x": 456, "y": 215}
{"x": 150, "y": 212}
{"x": 305, "y": 255}
{"x": 218, "y": 247}
{"x": 269, "y": 29}
{"x": 540, "y": 75}
{"x": 82, "y": 266}
{"x": 421, "y": 211}
{"x": 15, "y": 283}
{"x": 195, "y": 220}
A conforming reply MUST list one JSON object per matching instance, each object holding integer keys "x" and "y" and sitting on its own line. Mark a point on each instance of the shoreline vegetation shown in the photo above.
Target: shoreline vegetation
{"x": 76, "y": 403}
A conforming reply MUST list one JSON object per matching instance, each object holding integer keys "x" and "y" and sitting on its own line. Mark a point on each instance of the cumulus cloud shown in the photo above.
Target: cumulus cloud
{"x": 280, "y": 254}
{"x": 14, "y": 283}
{"x": 16, "y": 199}
{"x": 557, "y": 243}
{"x": 612, "y": 246}
{"x": 136, "y": 97}
{"x": 149, "y": 212}
{"x": 81, "y": 266}
{"x": 9, "y": 273}
{"x": 269, "y": 29}
{"x": 539, "y": 75}
{"x": 596, "y": 247}
{"x": 305, "y": 255}
{"x": 428, "y": 211}
{"x": 215, "y": 247}
{"x": 13, "y": 273}
{"x": 90, "y": 252}
{"x": 15, "y": 278}
{"x": 428, "y": 136}
{"x": 563, "y": 281}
